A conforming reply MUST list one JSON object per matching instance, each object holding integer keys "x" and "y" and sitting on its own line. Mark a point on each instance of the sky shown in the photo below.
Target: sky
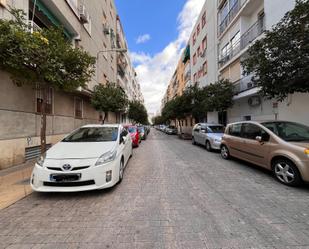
{"x": 156, "y": 32}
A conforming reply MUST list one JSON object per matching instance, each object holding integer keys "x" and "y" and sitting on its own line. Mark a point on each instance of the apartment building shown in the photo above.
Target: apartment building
{"x": 241, "y": 23}
{"x": 91, "y": 25}
{"x": 203, "y": 50}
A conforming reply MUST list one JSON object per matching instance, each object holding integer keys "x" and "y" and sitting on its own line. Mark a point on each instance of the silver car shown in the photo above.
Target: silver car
{"x": 209, "y": 135}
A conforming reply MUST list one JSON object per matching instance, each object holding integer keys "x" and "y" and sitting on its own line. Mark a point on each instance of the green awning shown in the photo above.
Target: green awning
{"x": 186, "y": 54}
{"x": 51, "y": 17}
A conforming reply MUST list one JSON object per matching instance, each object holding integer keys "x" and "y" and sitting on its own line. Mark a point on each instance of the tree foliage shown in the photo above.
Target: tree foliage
{"x": 218, "y": 97}
{"x": 42, "y": 59}
{"x": 280, "y": 61}
{"x": 109, "y": 98}
{"x": 137, "y": 112}
{"x": 197, "y": 101}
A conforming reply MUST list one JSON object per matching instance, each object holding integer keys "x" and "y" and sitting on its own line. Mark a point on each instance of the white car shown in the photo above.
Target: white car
{"x": 208, "y": 135}
{"x": 91, "y": 157}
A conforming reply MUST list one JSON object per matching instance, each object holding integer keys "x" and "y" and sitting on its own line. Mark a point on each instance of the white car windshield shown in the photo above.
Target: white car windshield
{"x": 93, "y": 134}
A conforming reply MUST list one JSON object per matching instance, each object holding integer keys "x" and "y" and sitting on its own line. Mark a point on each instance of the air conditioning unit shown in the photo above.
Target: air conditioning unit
{"x": 83, "y": 14}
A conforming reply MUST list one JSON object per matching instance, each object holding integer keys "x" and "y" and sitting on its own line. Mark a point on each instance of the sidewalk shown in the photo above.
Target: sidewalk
{"x": 14, "y": 183}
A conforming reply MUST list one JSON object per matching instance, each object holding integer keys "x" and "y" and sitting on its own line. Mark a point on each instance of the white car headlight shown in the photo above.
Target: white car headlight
{"x": 41, "y": 159}
{"x": 218, "y": 140}
{"x": 106, "y": 158}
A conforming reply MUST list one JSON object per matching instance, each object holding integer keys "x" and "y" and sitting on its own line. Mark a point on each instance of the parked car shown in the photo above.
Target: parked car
{"x": 171, "y": 130}
{"x": 162, "y": 127}
{"x": 147, "y": 129}
{"x": 208, "y": 135}
{"x": 280, "y": 146}
{"x": 91, "y": 157}
{"x": 135, "y": 136}
{"x": 141, "y": 131}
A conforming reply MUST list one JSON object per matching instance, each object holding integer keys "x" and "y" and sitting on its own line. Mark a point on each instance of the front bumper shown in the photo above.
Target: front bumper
{"x": 92, "y": 178}
{"x": 215, "y": 145}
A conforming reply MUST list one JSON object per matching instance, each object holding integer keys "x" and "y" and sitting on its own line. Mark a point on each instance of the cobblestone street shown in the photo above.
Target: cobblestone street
{"x": 174, "y": 195}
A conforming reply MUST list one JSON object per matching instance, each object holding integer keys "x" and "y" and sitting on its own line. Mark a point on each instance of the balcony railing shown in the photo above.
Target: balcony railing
{"x": 248, "y": 37}
{"x": 232, "y": 13}
{"x": 33, "y": 27}
{"x": 244, "y": 84}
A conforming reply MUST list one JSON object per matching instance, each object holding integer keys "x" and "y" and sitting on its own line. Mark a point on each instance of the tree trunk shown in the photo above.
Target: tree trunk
{"x": 180, "y": 128}
{"x": 43, "y": 121}
{"x": 105, "y": 115}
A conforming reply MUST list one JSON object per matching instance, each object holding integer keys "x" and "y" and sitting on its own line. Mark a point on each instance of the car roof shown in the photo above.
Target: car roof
{"x": 210, "y": 124}
{"x": 101, "y": 125}
{"x": 259, "y": 121}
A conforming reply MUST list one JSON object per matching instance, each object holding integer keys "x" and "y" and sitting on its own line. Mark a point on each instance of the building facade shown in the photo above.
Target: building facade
{"x": 90, "y": 25}
{"x": 241, "y": 23}
{"x": 224, "y": 31}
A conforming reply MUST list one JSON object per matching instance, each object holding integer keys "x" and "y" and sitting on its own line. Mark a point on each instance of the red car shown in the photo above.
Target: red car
{"x": 135, "y": 136}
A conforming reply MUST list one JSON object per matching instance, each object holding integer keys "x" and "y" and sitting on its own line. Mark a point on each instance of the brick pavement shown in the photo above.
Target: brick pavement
{"x": 174, "y": 195}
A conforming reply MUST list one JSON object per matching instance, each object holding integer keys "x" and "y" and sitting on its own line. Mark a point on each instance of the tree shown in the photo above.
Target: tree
{"x": 109, "y": 98}
{"x": 280, "y": 61}
{"x": 137, "y": 112}
{"x": 42, "y": 59}
{"x": 218, "y": 96}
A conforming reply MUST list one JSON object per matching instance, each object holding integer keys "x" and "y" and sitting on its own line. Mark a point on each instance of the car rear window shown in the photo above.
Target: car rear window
{"x": 132, "y": 129}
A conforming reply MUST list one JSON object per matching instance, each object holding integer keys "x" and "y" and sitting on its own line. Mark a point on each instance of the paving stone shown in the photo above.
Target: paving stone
{"x": 174, "y": 195}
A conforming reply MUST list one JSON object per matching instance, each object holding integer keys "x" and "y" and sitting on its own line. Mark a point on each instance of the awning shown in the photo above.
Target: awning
{"x": 41, "y": 7}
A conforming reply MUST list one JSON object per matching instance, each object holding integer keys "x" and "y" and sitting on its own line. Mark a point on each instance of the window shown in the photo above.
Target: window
{"x": 78, "y": 108}
{"x": 195, "y": 77}
{"x": 251, "y": 131}
{"x": 204, "y": 44}
{"x": 194, "y": 39}
{"x": 204, "y": 20}
{"x": 247, "y": 118}
{"x": 194, "y": 59}
{"x": 199, "y": 51}
{"x": 235, "y": 130}
{"x": 235, "y": 41}
{"x": 49, "y": 101}
{"x": 205, "y": 68}
{"x": 223, "y": 12}
{"x": 225, "y": 50}
{"x": 198, "y": 30}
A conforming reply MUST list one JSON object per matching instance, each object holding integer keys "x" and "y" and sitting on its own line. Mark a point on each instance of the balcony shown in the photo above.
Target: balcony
{"x": 229, "y": 17}
{"x": 245, "y": 87}
{"x": 247, "y": 38}
{"x": 33, "y": 27}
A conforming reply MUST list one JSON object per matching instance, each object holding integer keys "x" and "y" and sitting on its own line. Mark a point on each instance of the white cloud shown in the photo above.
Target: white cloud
{"x": 143, "y": 38}
{"x": 154, "y": 72}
